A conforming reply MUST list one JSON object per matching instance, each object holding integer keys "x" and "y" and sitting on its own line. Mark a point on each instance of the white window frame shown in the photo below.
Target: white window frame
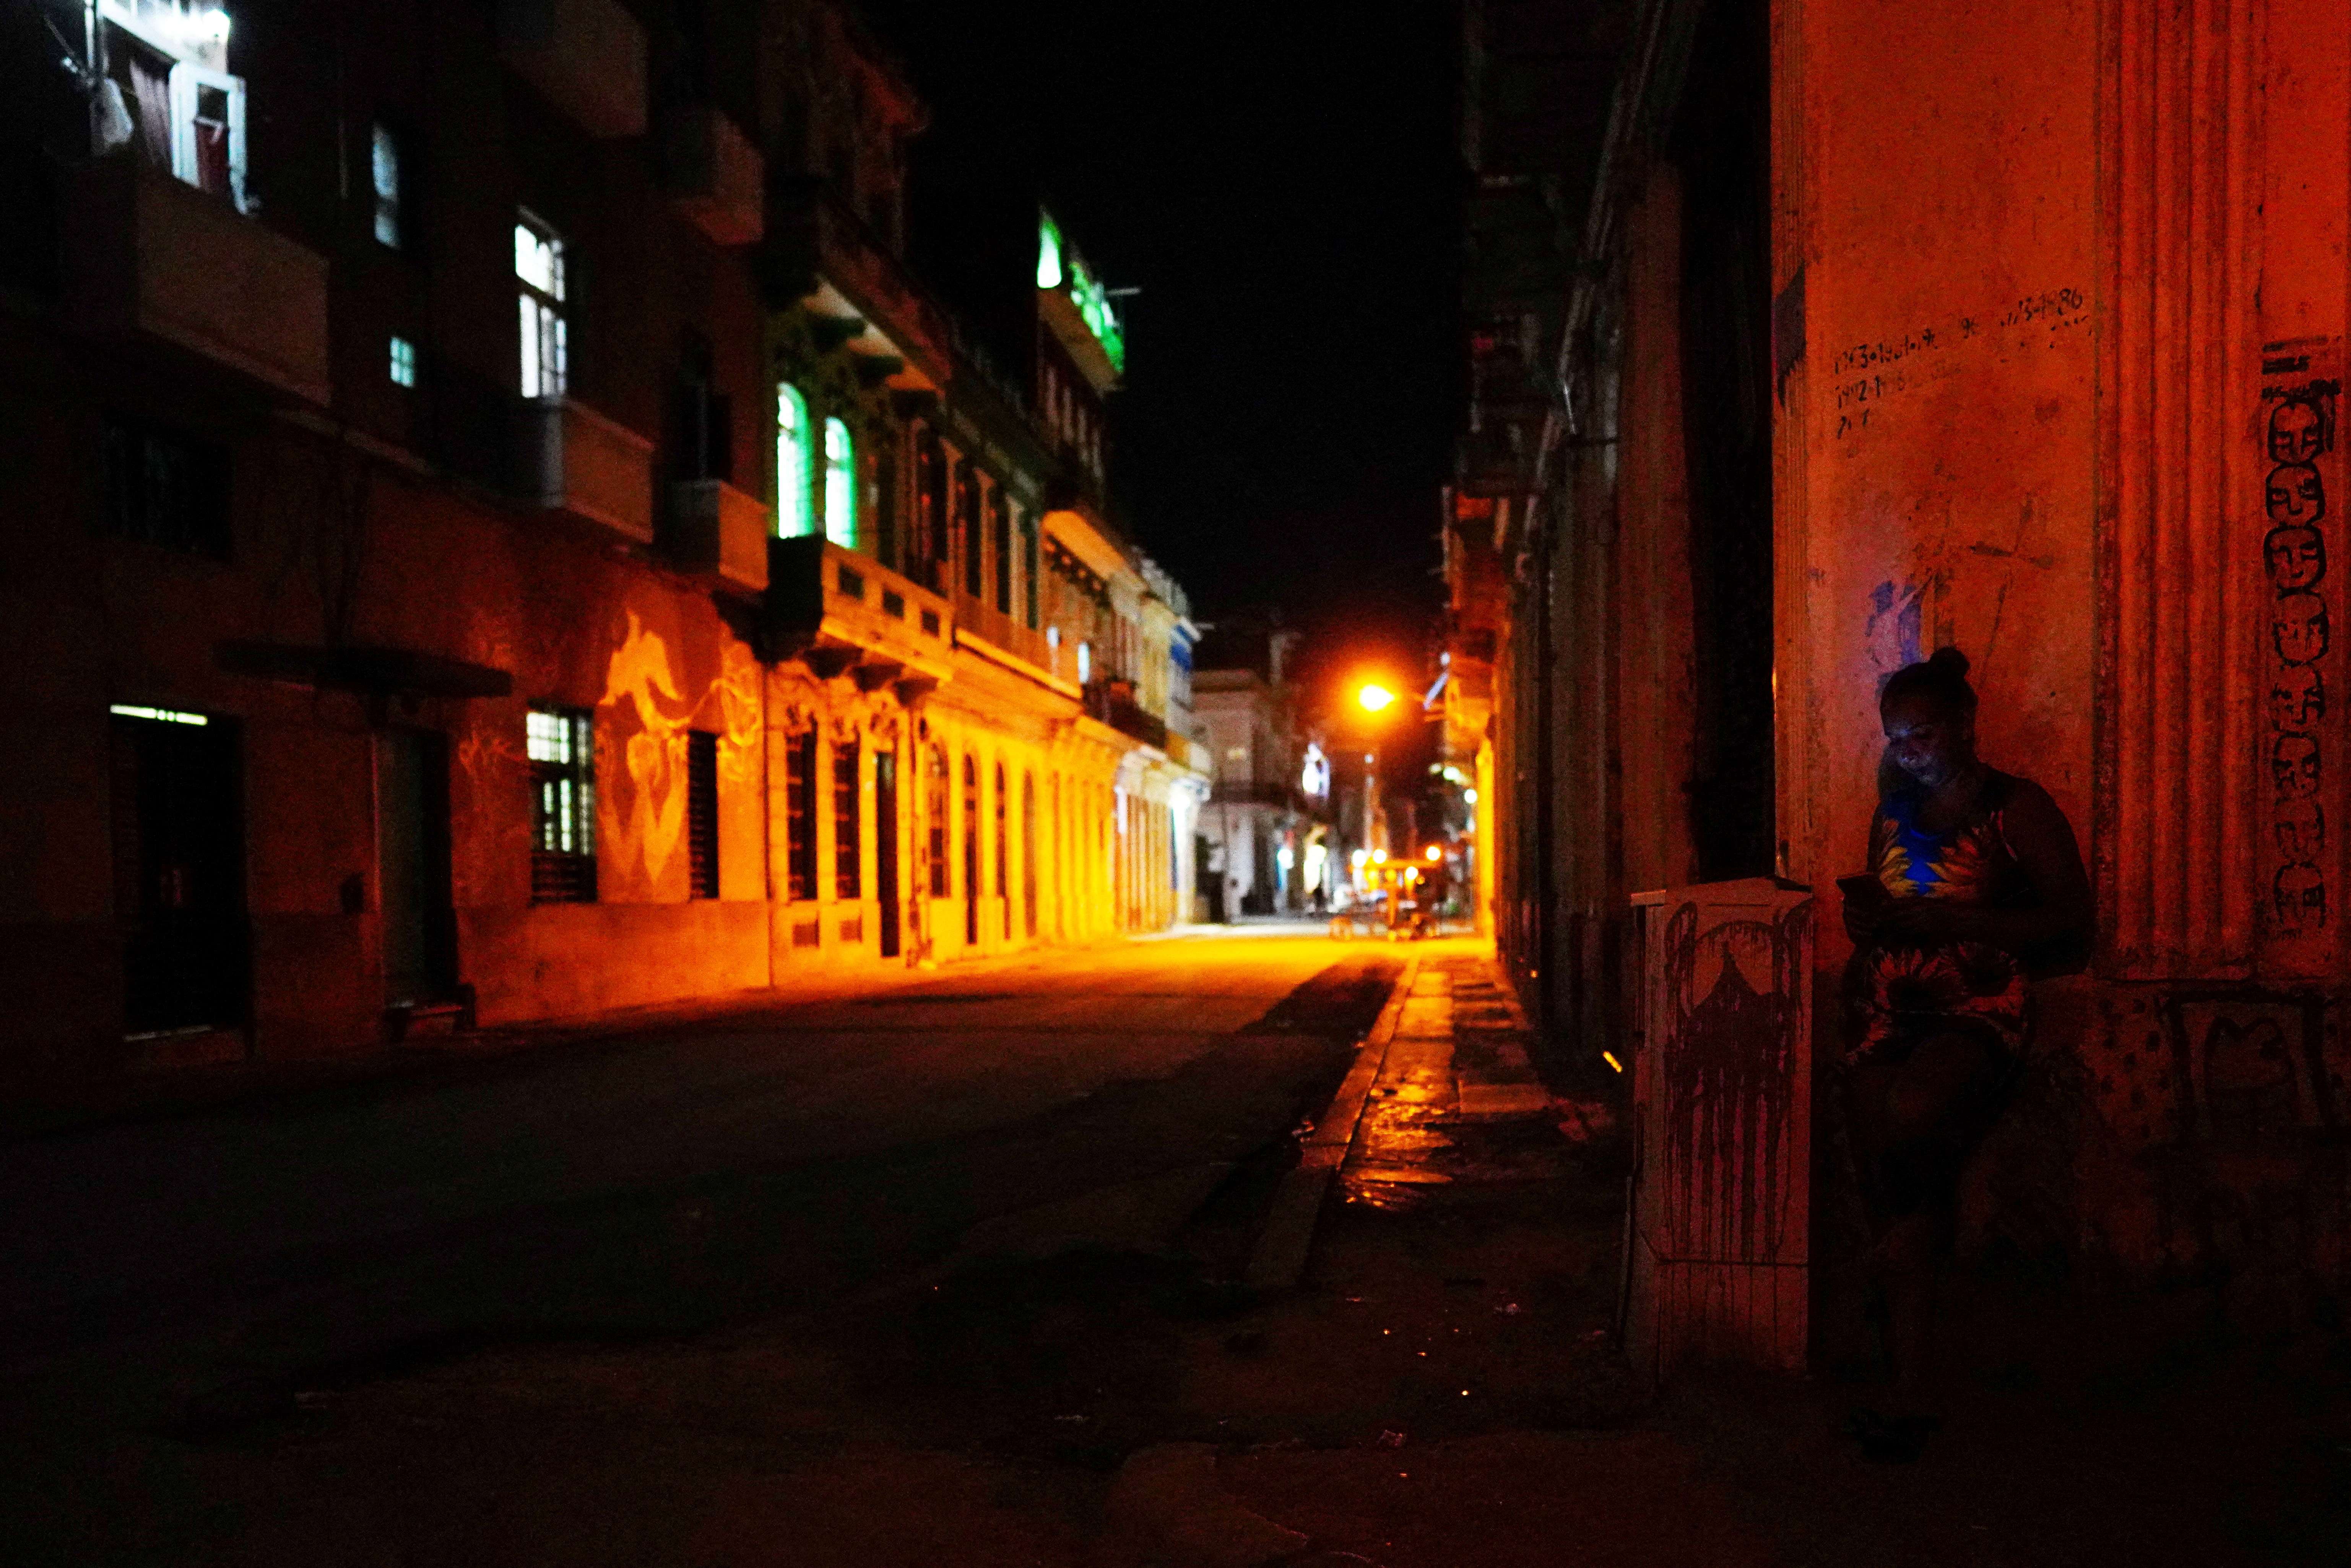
{"x": 187, "y": 81}
{"x": 542, "y": 324}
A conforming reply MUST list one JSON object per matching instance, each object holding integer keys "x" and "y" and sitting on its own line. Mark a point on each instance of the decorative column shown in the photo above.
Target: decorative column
{"x": 2183, "y": 789}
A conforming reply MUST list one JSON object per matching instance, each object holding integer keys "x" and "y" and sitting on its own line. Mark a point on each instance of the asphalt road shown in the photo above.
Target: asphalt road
{"x": 183, "y": 1271}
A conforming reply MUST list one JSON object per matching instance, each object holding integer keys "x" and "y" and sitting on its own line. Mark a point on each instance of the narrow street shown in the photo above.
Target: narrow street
{"x": 186, "y": 1274}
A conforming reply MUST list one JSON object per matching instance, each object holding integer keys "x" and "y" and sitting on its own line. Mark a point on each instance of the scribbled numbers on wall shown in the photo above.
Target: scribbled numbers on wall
{"x": 2298, "y": 436}
{"x": 1863, "y": 376}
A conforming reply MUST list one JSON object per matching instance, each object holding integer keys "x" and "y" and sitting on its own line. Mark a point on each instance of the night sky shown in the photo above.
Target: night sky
{"x": 1282, "y": 187}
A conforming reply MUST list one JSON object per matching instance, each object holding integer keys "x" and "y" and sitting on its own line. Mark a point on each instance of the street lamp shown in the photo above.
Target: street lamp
{"x": 1375, "y": 698}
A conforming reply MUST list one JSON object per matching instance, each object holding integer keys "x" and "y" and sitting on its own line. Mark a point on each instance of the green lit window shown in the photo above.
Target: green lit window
{"x": 792, "y": 464}
{"x": 839, "y": 485}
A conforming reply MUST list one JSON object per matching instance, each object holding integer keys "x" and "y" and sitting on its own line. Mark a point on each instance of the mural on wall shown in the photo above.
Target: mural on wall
{"x": 651, "y": 698}
{"x": 2301, "y": 387}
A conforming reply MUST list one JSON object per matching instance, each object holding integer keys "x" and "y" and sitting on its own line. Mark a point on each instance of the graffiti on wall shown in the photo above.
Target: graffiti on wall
{"x": 644, "y": 714}
{"x": 2301, "y": 388}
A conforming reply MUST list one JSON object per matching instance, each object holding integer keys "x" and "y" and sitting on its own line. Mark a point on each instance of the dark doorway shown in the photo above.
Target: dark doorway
{"x": 412, "y": 825}
{"x": 885, "y": 846}
{"x": 1723, "y": 146}
{"x": 179, "y": 873}
{"x": 1028, "y": 855}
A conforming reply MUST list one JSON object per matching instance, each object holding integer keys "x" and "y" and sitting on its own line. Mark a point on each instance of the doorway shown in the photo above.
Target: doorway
{"x": 970, "y": 853}
{"x": 885, "y": 846}
{"x": 419, "y": 921}
{"x": 1028, "y": 855}
{"x": 179, "y": 873}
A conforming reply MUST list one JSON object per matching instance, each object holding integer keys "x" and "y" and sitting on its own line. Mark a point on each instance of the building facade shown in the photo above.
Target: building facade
{"x": 2014, "y": 329}
{"x": 497, "y": 533}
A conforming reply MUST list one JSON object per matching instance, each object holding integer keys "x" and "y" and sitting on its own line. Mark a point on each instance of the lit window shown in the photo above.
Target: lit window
{"x": 384, "y": 164}
{"x": 173, "y": 97}
{"x": 561, "y": 745}
{"x": 792, "y": 454}
{"x": 839, "y": 485}
{"x": 404, "y": 362}
{"x": 538, "y": 266}
{"x": 1085, "y": 663}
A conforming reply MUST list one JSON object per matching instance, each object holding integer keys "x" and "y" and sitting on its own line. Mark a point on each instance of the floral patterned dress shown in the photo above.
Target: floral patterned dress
{"x": 1897, "y": 992}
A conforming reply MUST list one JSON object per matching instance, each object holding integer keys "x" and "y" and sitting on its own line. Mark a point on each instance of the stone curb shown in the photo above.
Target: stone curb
{"x": 1278, "y": 1261}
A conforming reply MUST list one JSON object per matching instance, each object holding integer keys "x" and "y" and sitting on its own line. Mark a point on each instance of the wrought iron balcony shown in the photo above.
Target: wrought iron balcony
{"x": 1112, "y": 702}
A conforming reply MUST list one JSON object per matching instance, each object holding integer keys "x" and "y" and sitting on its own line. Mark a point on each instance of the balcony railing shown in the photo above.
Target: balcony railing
{"x": 982, "y": 620}
{"x": 842, "y": 612}
{"x": 1246, "y": 792}
{"x": 1112, "y": 702}
{"x": 149, "y": 256}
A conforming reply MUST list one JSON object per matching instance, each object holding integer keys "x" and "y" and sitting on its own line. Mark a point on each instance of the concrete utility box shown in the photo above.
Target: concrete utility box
{"x": 1720, "y": 1266}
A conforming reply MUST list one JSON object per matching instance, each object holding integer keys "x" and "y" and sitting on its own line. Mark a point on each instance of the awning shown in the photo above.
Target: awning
{"x": 383, "y": 670}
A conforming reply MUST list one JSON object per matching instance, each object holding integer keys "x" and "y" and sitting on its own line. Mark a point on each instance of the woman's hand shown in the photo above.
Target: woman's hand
{"x": 1861, "y": 918}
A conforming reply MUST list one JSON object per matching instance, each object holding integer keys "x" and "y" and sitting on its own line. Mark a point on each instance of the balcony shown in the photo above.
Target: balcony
{"x": 844, "y": 613}
{"x": 585, "y": 56}
{"x": 821, "y": 255}
{"x": 978, "y": 620}
{"x": 716, "y": 178}
{"x": 717, "y": 530}
{"x": 574, "y": 459}
{"x": 1112, "y": 702}
{"x": 148, "y": 257}
{"x": 1246, "y": 792}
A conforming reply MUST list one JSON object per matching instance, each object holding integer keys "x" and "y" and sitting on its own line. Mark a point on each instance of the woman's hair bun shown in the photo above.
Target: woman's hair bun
{"x": 1942, "y": 675}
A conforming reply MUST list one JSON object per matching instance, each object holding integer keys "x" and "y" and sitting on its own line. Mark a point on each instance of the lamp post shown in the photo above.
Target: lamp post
{"x": 1374, "y": 700}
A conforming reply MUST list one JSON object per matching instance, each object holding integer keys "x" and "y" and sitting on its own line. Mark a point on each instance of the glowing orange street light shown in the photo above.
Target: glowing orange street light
{"x": 1434, "y": 853}
{"x": 1375, "y": 698}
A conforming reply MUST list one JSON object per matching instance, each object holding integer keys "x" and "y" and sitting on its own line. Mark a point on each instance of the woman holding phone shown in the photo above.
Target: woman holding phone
{"x": 1975, "y": 886}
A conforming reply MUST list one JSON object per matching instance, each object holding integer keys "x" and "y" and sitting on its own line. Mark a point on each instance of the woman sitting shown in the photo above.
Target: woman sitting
{"x": 1975, "y": 887}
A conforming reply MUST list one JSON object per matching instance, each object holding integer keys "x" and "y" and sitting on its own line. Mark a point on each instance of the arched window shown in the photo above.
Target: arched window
{"x": 793, "y": 463}
{"x": 839, "y": 485}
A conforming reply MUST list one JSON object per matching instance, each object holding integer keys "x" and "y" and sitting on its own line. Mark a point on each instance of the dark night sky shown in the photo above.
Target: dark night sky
{"x": 1280, "y": 183}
